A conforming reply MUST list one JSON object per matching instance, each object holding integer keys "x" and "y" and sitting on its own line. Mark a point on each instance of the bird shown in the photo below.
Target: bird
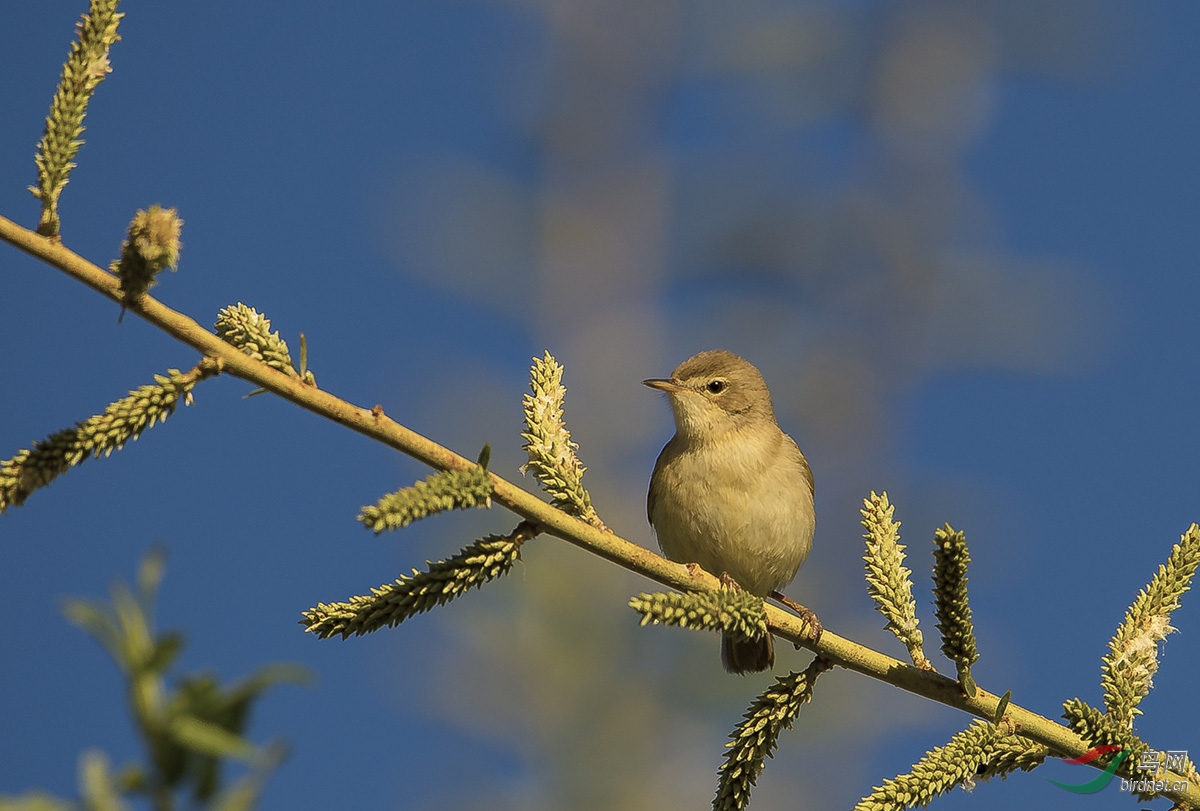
{"x": 731, "y": 492}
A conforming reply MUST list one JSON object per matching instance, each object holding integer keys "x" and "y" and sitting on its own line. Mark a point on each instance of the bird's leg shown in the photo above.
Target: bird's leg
{"x": 810, "y": 618}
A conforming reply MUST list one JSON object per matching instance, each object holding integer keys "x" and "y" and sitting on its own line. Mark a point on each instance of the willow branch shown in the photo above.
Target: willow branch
{"x": 375, "y": 424}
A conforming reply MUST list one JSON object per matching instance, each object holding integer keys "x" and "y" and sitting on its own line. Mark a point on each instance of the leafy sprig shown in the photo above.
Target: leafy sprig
{"x": 445, "y": 490}
{"x": 86, "y": 67}
{"x": 443, "y": 581}
{"x": 551, "y": 452}
{"x": 953, "y": 610}
{"x": 734, "y": 612}
{"x": 889, "y": 582}
{"x": 97, "y": 436}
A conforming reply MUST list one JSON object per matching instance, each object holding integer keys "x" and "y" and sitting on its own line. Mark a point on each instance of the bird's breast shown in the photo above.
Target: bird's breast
{"x": 735, "y": 507}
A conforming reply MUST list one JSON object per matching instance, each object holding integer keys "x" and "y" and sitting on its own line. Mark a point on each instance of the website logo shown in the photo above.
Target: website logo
{"x": 1152, "y": 762}
{"x": 1101, "y": 780}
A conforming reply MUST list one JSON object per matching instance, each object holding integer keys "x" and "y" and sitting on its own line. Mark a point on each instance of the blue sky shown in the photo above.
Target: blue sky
{"x": 958, "y": 239}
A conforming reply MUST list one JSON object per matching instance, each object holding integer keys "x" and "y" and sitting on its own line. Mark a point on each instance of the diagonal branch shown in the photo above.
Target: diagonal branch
{"x": 610, "y": 546}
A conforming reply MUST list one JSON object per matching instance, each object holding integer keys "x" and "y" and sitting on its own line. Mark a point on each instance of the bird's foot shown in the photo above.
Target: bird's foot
{"x": 807, "y": 614}
{"x": 728, "y": 582}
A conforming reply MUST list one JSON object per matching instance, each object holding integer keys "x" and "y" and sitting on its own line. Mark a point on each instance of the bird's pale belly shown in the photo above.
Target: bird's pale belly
{"x": 762, "y": 550}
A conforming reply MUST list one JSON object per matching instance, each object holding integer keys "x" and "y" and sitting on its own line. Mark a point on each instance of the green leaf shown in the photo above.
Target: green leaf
{"x": 211, "y": 740}
{"x": 97, "y": 785}
{"x": 243, "y": 795}
{"x": 150, "y": 575}
{"x": 36, "y": 801}
{"x": 98, "y": 621}
{"x": 166, "y": 650}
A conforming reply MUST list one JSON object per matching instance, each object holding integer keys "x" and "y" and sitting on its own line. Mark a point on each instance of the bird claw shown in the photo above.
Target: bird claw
{"x": 815, "y": 629}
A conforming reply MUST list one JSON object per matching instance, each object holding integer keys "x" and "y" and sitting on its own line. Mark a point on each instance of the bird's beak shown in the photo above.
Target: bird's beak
{"x": 669, "y": 386}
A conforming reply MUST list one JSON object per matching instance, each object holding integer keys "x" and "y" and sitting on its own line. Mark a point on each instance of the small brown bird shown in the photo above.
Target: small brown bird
{"x": 731, "y": 491}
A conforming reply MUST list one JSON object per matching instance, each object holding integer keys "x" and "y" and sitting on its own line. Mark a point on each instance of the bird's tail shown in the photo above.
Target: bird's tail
{"x": 749, "y": 656}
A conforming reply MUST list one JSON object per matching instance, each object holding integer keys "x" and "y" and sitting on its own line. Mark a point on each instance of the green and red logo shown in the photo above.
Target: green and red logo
{"x": 1102, "y": 779}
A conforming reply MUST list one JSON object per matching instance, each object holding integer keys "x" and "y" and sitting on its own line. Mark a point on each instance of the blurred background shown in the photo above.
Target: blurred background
{"x": 958, "y": 238}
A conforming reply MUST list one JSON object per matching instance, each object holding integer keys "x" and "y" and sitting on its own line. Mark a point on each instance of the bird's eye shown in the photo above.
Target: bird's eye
{"x": 715, "y": 386}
